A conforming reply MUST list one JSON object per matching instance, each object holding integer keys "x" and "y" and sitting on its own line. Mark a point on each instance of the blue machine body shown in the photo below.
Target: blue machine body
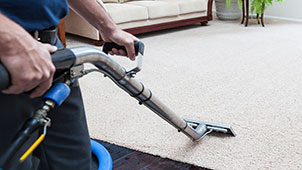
{"x": 103, "y": 156}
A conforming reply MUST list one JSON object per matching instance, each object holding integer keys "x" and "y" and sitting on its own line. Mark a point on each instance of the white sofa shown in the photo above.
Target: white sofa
{"x": 140, "y": 16}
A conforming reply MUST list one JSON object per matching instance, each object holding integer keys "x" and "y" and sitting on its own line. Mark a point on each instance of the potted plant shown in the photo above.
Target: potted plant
{"x": 228, "y": 9}
{"x": 231, "y": 9}
{"x": 259, "y": 6}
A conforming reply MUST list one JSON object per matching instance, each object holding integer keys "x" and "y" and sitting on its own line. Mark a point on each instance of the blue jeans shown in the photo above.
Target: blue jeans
{"x": 67, "y": 142}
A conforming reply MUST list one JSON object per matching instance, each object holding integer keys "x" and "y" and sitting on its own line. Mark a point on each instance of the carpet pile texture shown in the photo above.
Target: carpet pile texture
{"x": 246, "y": 77}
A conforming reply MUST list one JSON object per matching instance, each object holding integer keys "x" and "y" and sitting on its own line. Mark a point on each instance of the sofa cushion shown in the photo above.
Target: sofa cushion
{"x": 109, "y": 1}
{"x": 123, "y": 1}
{"x": 158, "y": 9}
{"x": 189, "y": 6}
{"x": 119, "y": 1}
{"x": 136, "y": 0}
{"x": 121, "y": 13}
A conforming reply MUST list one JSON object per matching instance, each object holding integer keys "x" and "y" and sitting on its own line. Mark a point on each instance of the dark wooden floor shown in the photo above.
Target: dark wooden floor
{"x": 128, "y": 159}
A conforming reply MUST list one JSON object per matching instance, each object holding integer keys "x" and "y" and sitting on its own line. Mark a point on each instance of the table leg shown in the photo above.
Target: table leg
{"x": 243, "y": 12}
{"x": 262, "y": 15}
{"x": 247, "y": 13}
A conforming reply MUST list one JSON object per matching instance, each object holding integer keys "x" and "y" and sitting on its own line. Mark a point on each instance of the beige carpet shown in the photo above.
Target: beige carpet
{"x": 249, "y": 78}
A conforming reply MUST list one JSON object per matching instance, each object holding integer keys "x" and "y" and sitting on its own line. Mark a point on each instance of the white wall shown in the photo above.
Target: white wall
{"x": 288, "y": 9}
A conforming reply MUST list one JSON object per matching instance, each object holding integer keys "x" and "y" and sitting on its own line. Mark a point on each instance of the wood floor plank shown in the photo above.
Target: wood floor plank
{"x": 168, "y": 164}
{"x": 116, "y": 152}
{"x": 135, "y": 161}
{"x": 128, "y": 159}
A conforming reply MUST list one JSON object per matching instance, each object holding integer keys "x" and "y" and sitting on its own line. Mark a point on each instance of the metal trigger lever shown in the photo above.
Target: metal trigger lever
{"x": 139, "y": 49}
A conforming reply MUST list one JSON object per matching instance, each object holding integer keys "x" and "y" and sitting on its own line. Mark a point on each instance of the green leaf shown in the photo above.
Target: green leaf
{"x": 257, "y": 5}
{"x": 228, "y": 3}
{"x": 240, "y": 4}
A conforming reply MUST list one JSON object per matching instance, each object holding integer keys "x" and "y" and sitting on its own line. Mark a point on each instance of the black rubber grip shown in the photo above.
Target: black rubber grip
{"x": 62, "y": 59}
{"x": 138, "y": 46}
{"x": 4, "y": 78}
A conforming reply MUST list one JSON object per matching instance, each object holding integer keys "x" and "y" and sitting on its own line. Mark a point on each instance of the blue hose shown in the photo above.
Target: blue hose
{"x": 103, "y": 156}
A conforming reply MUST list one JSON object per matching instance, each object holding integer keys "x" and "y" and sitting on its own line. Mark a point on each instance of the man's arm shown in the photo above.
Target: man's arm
{"x": 27, "y": 60}
{"x": 97, "y": 16}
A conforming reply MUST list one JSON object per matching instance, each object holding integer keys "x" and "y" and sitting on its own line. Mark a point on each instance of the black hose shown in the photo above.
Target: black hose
{"x": 24, "y": 134}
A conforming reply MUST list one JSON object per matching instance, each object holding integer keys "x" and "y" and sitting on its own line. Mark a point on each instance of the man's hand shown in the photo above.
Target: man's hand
{"x": 96, "y": 15}
{"x": 27, "y": 60}
{"x": 121, "y": 38}
{"x": 29, "y": 68}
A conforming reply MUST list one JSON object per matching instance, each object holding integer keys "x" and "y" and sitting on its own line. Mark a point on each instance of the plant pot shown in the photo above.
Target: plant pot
{"x": 224, "y": 13}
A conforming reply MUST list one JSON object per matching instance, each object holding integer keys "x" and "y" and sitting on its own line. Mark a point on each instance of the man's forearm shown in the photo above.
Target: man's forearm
{"x": 10, "y": 33}
{"x": 27, "y": 60}
{"x": 94, "y": 13}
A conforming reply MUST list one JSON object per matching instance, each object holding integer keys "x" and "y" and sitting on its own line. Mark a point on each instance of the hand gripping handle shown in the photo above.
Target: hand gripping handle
{"x": 139, "y": 49}
{"x": 62, "y": 59}
{"x": 138, "y": 46}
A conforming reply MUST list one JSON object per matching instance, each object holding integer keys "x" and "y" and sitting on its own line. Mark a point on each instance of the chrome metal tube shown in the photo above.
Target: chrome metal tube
{"x": 100, "y": 60}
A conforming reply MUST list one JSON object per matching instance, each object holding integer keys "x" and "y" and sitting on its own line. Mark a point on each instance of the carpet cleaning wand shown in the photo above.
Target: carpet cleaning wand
{"x": 74, "y": 58}
{"x": 196, "y": 130}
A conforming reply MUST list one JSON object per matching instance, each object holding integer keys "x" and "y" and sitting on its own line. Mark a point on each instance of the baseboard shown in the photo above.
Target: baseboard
{"x": 283, "y": 18}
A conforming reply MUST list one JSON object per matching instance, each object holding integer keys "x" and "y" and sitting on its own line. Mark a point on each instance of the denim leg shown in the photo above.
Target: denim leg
{"x": 15, "y": 110}
{"x": 67, "y": 144}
